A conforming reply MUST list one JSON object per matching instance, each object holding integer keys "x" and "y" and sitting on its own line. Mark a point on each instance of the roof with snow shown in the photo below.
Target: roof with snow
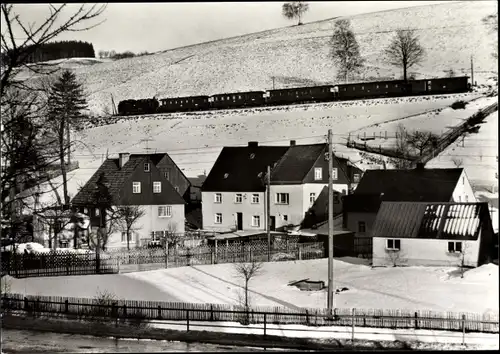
{"x": 242, "y": 168}
{"x": 451, "y": 221}
{"x": 114, "y": 177}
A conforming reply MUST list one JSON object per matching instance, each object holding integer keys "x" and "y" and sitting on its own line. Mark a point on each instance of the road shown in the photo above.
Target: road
{"x": 17, "y": 341}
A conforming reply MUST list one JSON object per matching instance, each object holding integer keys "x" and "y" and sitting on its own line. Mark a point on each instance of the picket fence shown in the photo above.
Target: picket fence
{"x": 63, "y": 263}
{"x": 113, "y": 310}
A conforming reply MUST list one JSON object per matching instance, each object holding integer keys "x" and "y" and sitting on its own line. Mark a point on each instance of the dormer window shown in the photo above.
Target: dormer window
{"x": 146, "y": 167}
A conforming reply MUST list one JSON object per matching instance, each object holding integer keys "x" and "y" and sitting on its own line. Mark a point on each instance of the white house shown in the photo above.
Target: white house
{"x": 432, "y": 234}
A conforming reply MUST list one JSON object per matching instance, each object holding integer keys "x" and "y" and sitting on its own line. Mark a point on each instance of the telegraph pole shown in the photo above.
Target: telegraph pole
{"x": 330, "y": 222}
{"x": 268, "y": 212}
{"x": 472, "y": 70}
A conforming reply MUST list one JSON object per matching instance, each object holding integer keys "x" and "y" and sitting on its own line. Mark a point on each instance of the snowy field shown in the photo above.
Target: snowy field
{"x": 413, "y": 288}
{"x": 296, "y": 56}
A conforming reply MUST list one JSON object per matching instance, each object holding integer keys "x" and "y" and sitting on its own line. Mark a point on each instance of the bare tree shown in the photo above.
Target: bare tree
{"x": 128, "y": 216}
{"x": 405, "y": 50}
{"x": 458, "y": 162}
{"x": 295, "y": 10}
{"x": 345, "y": 49}
{"x": 247, "y": 271}
{"x": 397, "y": 258}
{"x": 20, "y": 39}
{"x": 464, "y": 252}
{"x": 402, "y": 149}
{"x": 422, "y": 141}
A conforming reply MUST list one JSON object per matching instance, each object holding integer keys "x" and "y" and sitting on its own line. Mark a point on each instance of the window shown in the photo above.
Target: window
{"x": 285, "y": 217}
{"x": 318, "y": 174}
{"x": 156, "y": 187}
{"x": 167, "y": 174}
{"x": 312, "y": 197}
{"x": 454, "y": 247}
{"x": 238, "y": 198}
{"x": 396, "y": 85}
{"x": 239, "y": 97}
{"x": 356, "y": 178}
{"x": 377, "y": 86}
{"x": 176, "y": 188}
{"x": 335, "y": 173}
{"x": 218, "y": 198}
{"x": 85, "y": 211}
{"x": 165, "y": 211}
{"x": 459, "y": 198}
{"x": 218, "y": 218}
{"x": 136, "y": 187}
{"x": 256, "y": 221}
{"x": 255, "y": 199}
{"x": 157, "y": 235}
{"x": 362, "y": 87}
{"x": 282, "y": 198}
{"x": 386, "y": 86}
{"x": 393, "y": 244}
{"x": 466, "y": 198}
{"x": 124, "y": 236}
{"x": 361, "y": 226}
{"x": 97, "y": 212}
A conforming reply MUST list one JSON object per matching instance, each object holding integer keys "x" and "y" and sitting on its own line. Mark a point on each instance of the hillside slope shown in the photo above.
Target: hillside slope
{"x": 298, "y": 55}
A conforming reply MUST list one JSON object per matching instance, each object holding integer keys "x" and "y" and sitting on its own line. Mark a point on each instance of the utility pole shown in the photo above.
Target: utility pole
{"x": 472, "y": 70}
{"x": 273, "y": 82}
{"x": 330, "y": 222}
{"x": 268, "y": 223}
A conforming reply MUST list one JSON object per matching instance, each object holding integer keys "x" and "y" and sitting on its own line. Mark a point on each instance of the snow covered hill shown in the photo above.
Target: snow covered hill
{"x": 296, "y": 55}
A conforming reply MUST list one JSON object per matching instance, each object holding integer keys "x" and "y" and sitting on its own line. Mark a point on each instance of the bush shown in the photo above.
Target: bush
{"x": 458, "y": 104}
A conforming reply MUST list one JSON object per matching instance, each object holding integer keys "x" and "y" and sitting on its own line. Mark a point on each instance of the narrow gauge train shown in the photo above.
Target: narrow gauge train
{"x": 324, "y": 93}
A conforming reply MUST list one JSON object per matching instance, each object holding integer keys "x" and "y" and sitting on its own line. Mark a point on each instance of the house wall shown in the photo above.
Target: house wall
{"x": 228, "y": 208}
{"x": 295, "y": 208}
{"x": 353, "y": 220}
{"x": 176, "y": 176}
{"x": 424, "y": 252}
{"x": 463, "y": 191}
{"x": 148, "y": 223}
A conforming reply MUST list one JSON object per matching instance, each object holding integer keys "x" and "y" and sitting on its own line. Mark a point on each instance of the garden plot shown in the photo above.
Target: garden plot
{"x": 440, "y": 121}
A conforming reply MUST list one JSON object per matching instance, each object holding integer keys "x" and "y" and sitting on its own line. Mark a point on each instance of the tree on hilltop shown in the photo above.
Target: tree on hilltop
{"x": 345, "y": 49}
{"x": 405, "y": 50}
{"x": 295, "y": 10}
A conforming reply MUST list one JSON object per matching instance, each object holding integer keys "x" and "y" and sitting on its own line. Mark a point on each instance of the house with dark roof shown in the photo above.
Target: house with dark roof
{"x": 299, "y": 185}
{"x": 432, "y": 234}
{"x": 151, "y": 181}
{"x": 415, "y": 185}
{"x": 234, "y": 193}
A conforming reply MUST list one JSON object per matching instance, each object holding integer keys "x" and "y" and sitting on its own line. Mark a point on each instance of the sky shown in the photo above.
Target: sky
{"x": 160, "y": 26}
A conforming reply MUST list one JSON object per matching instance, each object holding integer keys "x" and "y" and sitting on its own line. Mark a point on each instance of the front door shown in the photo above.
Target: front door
{"x": 239, "y": 221}
{"x": 272, "y": 225}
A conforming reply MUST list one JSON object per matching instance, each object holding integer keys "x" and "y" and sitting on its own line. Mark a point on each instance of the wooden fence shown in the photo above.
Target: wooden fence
{"x": 363, "y": 246}
{"x": 57, "y": 263}
{"x": 114, "y": 310}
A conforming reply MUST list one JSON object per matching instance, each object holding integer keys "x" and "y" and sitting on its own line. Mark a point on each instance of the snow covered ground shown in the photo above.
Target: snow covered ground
{"x": 298, "y": 55}
{"x": 413, "y": 288}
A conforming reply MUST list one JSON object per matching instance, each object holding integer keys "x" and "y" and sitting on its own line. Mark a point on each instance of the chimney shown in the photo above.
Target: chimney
{"x": 253, "y": 144}
{"x": 293, "y": 143}
{"x": 420, "y": 166}
{"x": 123, "y": 159}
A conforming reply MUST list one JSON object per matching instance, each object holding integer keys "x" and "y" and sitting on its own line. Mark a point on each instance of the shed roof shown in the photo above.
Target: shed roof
{"x": 431, "y": 220}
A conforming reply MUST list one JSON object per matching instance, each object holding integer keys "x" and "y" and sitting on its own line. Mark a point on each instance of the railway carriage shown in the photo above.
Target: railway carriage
{"x": 300, "y": 95}
{"x": 237, "y": 100}
{"x": 184, "y": 104}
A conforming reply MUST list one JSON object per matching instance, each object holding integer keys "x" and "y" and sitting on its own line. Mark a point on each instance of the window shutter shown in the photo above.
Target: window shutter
{"x": 397, "y": 244}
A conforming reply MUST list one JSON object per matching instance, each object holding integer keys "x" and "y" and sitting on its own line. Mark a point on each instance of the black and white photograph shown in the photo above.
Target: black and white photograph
{"x": 249, "y": 176}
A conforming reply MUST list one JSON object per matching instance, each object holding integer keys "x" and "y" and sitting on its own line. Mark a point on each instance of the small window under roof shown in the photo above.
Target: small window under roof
{"x": 226, "y": 175}
{"x": 252, "y": 155}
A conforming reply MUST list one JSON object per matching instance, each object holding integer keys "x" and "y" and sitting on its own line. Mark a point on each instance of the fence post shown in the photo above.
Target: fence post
{"x": 124, "y": 310}
{"x": 26, "y": 304}
{"x": 187, "y": 320}
{"x": 37, "y": 307}
{"x": 463, "y": 329}
{"x": 265, "y": 324}
{"x": 211, "y": 312}
{"x": 159, "y": 312}
{"x": 66, "y": 306}
{"x": 307, "y": 317}
{"x": 353, "y": 320}
{"x": 416, "y": 320}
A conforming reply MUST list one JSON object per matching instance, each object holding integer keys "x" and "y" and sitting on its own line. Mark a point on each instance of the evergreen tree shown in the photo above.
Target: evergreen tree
{"x": 345, "y": 49}
{"x": 65, "y": 103}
